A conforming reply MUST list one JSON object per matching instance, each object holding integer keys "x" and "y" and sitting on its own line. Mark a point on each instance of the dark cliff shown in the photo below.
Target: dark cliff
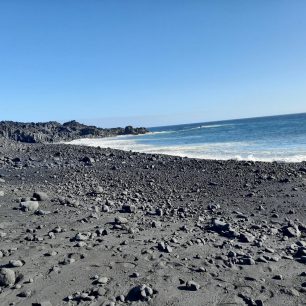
{"x": 48, "y": 132}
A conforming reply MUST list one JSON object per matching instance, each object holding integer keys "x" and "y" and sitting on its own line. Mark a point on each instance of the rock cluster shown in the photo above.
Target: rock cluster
{"x": 53, "y": 131}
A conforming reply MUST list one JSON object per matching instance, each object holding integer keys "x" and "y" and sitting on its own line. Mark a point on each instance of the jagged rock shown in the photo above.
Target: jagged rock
{"x": 53, "y": 131}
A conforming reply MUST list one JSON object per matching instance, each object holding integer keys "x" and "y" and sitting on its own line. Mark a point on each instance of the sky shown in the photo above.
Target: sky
{"x": 151, "y": 62}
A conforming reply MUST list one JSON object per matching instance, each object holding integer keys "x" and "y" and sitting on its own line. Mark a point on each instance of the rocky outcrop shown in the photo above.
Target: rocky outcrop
{"x": 47, "y": 132}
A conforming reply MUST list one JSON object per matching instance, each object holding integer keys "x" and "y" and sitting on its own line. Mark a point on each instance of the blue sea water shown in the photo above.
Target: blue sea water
{"x": 277, "y": 138}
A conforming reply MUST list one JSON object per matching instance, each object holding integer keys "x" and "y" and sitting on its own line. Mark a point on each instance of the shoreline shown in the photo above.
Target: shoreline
{"x": 155, "y": 151}
{"x": 87, "y": 226}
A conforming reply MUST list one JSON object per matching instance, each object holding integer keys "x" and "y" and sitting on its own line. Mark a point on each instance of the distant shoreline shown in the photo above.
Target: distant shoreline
{"x": 267, "y": 139}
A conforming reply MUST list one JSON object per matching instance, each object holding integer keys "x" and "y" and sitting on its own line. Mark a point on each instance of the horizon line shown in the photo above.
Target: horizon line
{"x": 231, "y": 119}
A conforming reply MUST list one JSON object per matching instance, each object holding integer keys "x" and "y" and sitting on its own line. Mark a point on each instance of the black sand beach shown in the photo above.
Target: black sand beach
{"x": 91, "y": 226}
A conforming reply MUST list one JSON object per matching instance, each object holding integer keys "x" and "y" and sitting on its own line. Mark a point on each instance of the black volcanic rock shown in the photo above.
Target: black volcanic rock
{"x": 130, "y": 130}
{"x": 44, "y": 132}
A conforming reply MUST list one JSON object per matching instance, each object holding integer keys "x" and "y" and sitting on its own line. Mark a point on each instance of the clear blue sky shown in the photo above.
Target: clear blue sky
{"x": 151, "y": 62}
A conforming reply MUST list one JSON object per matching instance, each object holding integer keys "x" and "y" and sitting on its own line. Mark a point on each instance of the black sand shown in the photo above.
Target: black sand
{"x": 192, "y": 232}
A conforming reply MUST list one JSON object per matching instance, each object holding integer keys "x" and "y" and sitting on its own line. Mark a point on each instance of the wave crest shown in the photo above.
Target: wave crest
{"x": 214, "y": 151}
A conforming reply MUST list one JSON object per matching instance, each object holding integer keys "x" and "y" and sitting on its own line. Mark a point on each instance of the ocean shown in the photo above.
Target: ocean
{"x": 275, "y": 138}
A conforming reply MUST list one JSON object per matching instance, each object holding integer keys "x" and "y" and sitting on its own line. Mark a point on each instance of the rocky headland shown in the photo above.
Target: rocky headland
{"x": 91, "y": 226}
{"x": 49, "y": 132}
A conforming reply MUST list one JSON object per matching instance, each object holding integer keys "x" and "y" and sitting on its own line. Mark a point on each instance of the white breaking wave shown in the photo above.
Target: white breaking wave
{"x": 162, "y": 132}
{"x": 215, "y": 151}
{"x": 209, "y": 126}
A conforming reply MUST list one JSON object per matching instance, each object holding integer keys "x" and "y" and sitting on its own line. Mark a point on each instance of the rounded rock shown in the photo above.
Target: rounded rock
{"x": 7, "y": 277}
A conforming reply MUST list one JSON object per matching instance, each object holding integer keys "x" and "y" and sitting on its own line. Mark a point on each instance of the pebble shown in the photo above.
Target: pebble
{"x": 16, "y": 263}
{"x": 40, "y": 196}
{"x": 247, "y": 261}
{"x": 192, "y": 286}
{"x": 25, "y": 294}
{"x": 103, "y": 280}
{"x": 29, "y": 205}
{"x": 121, "y": 220}
{"x": 291, "y": 231}
{"x": 7, "y": 277}
{"x": 246, "y": 237}
{"x": 43, "y": 303}
{"x": 278, "y": 277}
{"x": 81, "y": 237}
{"x": 164, "y": 247}
{"x": 129, "y": 208}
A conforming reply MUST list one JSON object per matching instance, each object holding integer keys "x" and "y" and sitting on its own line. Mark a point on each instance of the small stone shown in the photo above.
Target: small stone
{"x": 269, "y": 250}
{"x": 7, "y": 277}
{"x": 29, "y": 205}
{"x": 246, "y": 237}
{"x": 156, "y": 224}
{"x": 247, "y": 261}
{"x": 105, "y": 208}
{"x": 278, "y": 277}
{"x": 51, "y": 253}
{"x": 44, "y": 303}
{"x": 290, "y": 291}
{"x": 81, "y": 237}
{"x": 121, "y": 220}
{"x": 168, "y": 249}
{"x": 40, "y": 196}
{"x": 41, "y": 212}
{"x": 25, "y": 294}
{"x": 103, "y": 280}
{"x": 68, "y": 261}
{"x": 101, "y": 291}
{"x": 291, "y": 231}
{"x": 16, "y": 263}
{"x": 140, "y": 293}
{"x": 129, "y": 208}
{"x": 192, "y": 286}
{"x": 88, "y": 160}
